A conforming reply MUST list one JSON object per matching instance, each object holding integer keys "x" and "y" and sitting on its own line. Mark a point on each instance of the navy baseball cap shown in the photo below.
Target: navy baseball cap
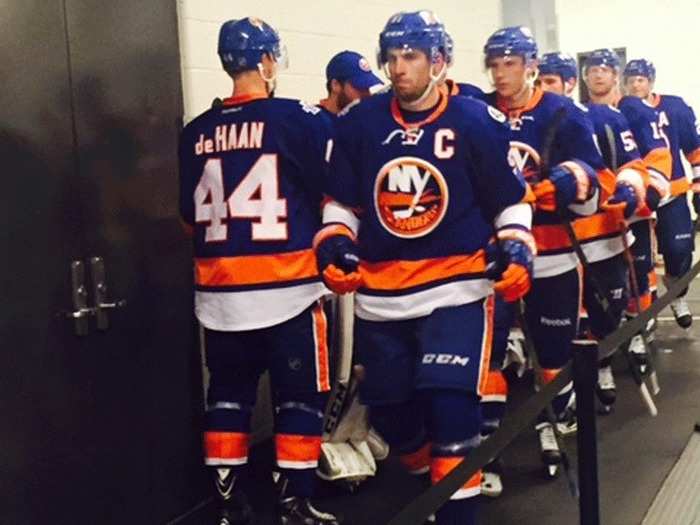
{"x": 348, "y": 66}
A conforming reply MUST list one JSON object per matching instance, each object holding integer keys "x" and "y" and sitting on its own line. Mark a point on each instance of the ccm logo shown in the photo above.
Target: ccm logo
{"x": 445, "y": 359}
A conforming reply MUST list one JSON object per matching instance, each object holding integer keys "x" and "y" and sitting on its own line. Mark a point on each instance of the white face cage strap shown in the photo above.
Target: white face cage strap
{"x": 435, "y": 80}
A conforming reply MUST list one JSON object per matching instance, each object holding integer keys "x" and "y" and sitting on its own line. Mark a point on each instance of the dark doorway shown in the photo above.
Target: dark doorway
{"x": 101, "y": 427}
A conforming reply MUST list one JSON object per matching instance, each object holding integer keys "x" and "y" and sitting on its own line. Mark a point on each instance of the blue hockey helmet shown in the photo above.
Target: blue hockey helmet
{"x": 418, "y": 30}
{"x": 603, "y": 57}
{"x": 560, "y": 64}
{"x": 511, "y": 41}
{"x": 640, "y": 67}
{"x": 242, "y": 44}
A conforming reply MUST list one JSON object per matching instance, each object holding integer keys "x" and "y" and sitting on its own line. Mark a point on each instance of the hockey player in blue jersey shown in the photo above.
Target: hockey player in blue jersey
{"x": 621, "y": 125}
{"x": 674, "y": 229}
{"x": 349, "y": 78}
{"x": 558, "y": 73}
{"x": 552, "y": 307}
{"x": 251, "y": 171}
{"x": 420, "y": 184}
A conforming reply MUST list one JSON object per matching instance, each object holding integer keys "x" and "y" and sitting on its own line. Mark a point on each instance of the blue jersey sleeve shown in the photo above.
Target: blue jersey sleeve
{"x": 311, "y": 133}
{"x": 497, "y": 184}
{"x": 688, "y": 130}
{"x": 575, "y": 139}
{"x": 343, "y": 181}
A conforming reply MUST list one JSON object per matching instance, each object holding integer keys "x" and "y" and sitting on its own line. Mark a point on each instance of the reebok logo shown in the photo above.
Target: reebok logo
{"x": 682, "y": 236}
{"x": 445, "y": 359}
{"x": 546, "y": 321}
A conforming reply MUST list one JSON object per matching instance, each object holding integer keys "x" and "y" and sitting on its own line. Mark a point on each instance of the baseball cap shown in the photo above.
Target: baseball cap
{"x": 349, "y": 66}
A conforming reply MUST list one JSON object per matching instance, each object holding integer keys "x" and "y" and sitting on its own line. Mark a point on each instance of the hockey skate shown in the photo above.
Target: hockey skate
{"x": 638, "y": 351}
{"x": 549, "y": 448}
{"x": 681, "y": 312}
{"x": 491, "y": 484}
{"x": 233, "y": 504}
{"x": 295, "y": 510}
{"x": 606, "y": 391}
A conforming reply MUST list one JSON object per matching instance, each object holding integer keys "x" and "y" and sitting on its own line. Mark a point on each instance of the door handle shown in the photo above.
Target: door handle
{"x": 99, "y": 288}
{"x": 81, "y": 311}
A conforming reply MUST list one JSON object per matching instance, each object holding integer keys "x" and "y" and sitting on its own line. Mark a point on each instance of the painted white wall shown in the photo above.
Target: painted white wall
{"x": 664, "y": 31}
{"x": 313, "y": 31}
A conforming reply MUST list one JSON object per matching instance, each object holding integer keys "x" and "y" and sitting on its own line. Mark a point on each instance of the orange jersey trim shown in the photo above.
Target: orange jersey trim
{"x": 397, "y": 275}
{"x": 660, "y": 160}
{"x": 694, "y": 157}
{"x": 323, "y": 381}
{"x": 417, "y": 461}
{"x": 226, "y": 445}
{"x": 294, "y": 447}
{"x": 679, "y": 186}
{"x": 243, "y": 99}
{"x": 255, "y": 269}
{"x": 496, "y": 384}
{"x": 549, "y": 374}
{"x": 439, "y": 110}
{"x": 607, "y": 181}
{"x": 440, "y": 467}
{"x": 512, "y": 113}
{"x": 487, "y": 343}
{"x": 554, "y": 237}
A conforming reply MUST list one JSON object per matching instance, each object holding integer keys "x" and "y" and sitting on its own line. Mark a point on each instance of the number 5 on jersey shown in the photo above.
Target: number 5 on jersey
{"x": 268, "y": 208}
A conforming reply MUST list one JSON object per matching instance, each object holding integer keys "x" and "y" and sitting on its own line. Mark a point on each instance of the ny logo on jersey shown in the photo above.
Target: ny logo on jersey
{"x": 410, "y": 197}
{"x": 409, "y": 137}
{"x": 524, "y": 159}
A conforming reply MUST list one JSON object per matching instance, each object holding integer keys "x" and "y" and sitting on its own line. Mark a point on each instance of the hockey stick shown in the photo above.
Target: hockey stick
{"x": 627, "y": 253}
{"x": 589, "y": 275}
{"x": 549, "y": 411}
{"x": 345, "y": 387}
{"x": 653, "y": 378}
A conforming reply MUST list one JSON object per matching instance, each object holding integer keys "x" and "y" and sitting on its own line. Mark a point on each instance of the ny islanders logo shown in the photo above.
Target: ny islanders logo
{"x": 410, "y": 197}
{"x": 525, "y": 159}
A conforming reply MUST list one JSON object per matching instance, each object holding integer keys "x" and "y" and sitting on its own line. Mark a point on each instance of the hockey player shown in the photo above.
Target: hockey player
{"x": 618, "y": 137}
{"x": 557, "y": 73}
{"x": 552, "y": 307}
{"x": 420, "y": 183}
{"x": 674, "y": 228}
{"x": 250, "y": 177}
{"x": 349, "y": 78}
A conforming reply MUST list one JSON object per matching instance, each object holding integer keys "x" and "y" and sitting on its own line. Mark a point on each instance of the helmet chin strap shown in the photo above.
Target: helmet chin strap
{"x": 271, "y": 81}
{"x": 435, "y": 80}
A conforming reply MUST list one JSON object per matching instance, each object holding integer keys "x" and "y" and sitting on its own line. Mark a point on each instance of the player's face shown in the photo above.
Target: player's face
{"x": 552, "y": 83}
{"x": 638, "y": 86}
{"x": 508, "y": 75}
{"x": 600, "y": 80}
{"x": 409, "y": 72}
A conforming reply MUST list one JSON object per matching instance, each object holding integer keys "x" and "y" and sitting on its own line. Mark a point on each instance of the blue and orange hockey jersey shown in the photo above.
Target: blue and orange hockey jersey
{"x": 251, "y": 173}
{"x": 676, "y": 121}
{"x": 653, "y": 145}
{"x": 422, "y": 191}
{"x": 572, "y": 139}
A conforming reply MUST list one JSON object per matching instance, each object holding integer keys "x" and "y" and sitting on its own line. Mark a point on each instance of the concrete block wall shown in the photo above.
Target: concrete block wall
{"x": 314, "y": 31}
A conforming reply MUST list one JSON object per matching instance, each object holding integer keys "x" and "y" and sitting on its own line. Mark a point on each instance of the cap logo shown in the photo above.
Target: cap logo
{"x": 363, "y": 64}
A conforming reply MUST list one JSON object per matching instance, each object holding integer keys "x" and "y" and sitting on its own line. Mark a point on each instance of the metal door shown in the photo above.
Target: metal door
{"x": 104, "y": 427}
